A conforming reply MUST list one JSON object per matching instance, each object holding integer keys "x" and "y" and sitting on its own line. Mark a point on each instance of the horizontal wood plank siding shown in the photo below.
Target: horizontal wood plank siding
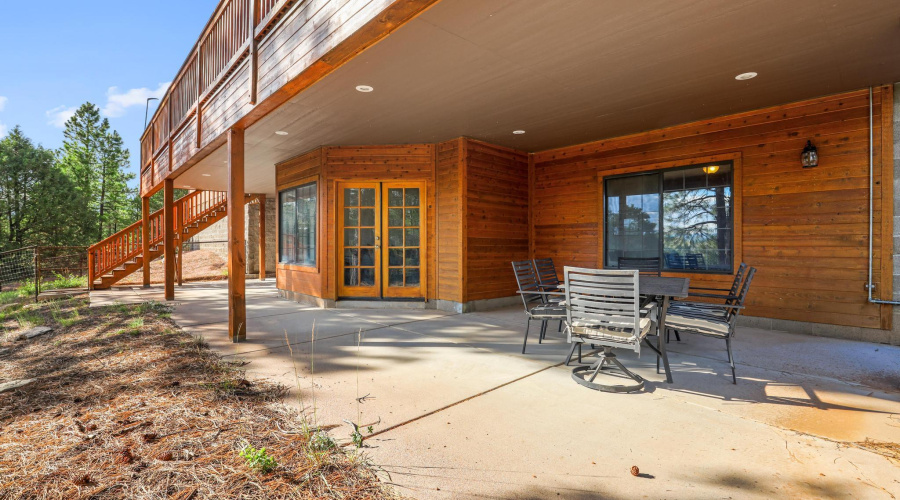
{"x": 184, "y": 145}
{"x": 229, "y": 104}
{"x": 805, "y": 230}
{"x": 496, "y": 219}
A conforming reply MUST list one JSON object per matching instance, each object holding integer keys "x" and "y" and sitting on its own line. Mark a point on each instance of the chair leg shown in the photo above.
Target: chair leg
{"x": 571, "y": 352}
{"x": 560, "y": 326}
{"x": 579, "y": 353}
{"x": 731, "y": 360}
{"x": 527, "y": 327}
{"x": 543, "y": 331}
{"x": 677, "y": 336}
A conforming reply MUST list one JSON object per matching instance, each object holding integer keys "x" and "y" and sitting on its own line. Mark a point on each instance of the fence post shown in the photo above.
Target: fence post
{"x": 37, "y": 273}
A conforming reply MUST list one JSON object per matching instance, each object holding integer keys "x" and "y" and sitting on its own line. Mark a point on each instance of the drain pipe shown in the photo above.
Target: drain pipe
{"x": 869, "y": 285}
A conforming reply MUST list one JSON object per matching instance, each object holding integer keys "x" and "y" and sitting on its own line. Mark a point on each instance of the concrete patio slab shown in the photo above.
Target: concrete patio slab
{"x": 459, "y": 412}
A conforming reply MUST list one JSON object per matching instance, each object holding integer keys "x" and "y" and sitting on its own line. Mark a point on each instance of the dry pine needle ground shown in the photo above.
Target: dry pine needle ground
{"x": 126, "y": 405}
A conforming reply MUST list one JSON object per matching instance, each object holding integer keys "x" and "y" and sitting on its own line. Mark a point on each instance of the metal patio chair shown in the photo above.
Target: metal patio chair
{"x": 648, "y": 266}
{"x": 729, "y": 297}
{"x": 603, "y": 307}
{"x": 536, "y": 301}
{"x": 712, "y": 320}
{"x": 674, "y": 260}
{"x": 548, "y": 280}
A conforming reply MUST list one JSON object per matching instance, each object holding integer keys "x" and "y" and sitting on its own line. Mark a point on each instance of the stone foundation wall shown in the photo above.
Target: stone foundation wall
{"x": 215, "y": 238}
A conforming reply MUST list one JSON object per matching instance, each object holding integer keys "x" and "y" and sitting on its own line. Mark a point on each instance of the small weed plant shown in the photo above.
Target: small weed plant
{"x": 258, "y": 459}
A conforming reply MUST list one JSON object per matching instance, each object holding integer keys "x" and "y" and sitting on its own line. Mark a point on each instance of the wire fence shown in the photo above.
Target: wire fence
{"x": 43, "y": 266}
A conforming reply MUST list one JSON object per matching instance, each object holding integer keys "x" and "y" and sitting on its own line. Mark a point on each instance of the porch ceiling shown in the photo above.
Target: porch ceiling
{"x": 574, "y": 71}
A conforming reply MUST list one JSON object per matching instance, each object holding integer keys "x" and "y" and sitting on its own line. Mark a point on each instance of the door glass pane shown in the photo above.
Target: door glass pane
{"x": 632, "y": 220}
{"x": 412, "y": 257}
{"x": 395, "y": 217}
{"x": 412, "y": 237}
{"x": 395, "y": 277}
{"x": 367, "y": 197}
{"x": 351, "y": 257}
{"x": 351, "y": 197}
{"x": 412, "y": 197}
{"x": 351, "y": 217}
{"x": 367, "y": 237}
{"x": 395, "y": 257}
{"x": 367, "y": 276}
{"x": 367, "y": 217}
{"x": 412, "y": 217}
{"x": 351, "y": 237}
{"x": 351, "y": 277}
{"x": 395, "y": 237}
{"x": 367, "y": 256}
{"x": 395, "y": 197}
{"x": 412, "y": 277}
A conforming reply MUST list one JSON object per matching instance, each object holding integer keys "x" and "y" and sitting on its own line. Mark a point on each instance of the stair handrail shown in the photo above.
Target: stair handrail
{"x": 125, "y": 245}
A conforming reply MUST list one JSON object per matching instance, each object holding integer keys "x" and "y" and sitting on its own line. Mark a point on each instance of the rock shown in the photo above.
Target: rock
{"x": 34, "y": 332}
{"x": 15, "y": 384}
{"x": 3, "y": 352}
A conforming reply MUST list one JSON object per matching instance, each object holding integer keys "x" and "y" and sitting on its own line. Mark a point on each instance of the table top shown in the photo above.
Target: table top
{"x": 659, "y": 286}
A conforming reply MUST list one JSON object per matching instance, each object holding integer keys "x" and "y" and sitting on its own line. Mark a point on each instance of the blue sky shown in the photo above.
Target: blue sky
{"x": 58, "y": 54}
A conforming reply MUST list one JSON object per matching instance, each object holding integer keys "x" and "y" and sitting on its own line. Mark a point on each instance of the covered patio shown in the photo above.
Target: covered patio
{"x": 457, "y": 410}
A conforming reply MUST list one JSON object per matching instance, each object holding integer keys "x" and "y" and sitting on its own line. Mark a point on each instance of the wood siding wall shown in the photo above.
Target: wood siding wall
{"x": 449, "y": 221}
{"x": 496, "y": 219}
{"x": 332, "y": 165}
{"x": 805, "y": 230}
{"x": 294, "y": 172}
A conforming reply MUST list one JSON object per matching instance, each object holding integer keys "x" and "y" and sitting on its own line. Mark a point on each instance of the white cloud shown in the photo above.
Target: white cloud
{"x": 117, "y": 103}
{"x": 60, "y": 115}
{"x": 3, "y": 101}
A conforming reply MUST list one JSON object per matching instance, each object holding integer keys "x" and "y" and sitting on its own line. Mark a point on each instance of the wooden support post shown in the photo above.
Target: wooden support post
{"x": 169, "y": 237}
{"x": 262, "y": 237}
{"x": 145, "y": 238}
{"x": 237, "y": 252}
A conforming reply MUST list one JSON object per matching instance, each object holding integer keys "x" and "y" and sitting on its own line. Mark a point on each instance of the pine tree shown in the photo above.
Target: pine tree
{"x": 95, "y": 160}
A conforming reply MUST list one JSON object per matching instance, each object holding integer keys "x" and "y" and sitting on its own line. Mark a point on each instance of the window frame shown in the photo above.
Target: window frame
{"x": 659, "y": 169}
{"x": 314, "y": 268}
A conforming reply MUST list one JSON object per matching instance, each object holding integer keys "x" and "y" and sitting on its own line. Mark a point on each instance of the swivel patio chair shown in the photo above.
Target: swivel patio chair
{"x": 536, "y": 301}
{"x": 712, "y": 320}
{"x": 603, "y": 307}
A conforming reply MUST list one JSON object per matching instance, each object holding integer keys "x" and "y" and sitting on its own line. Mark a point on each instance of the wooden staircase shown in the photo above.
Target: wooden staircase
{"x": 114, "y": 258}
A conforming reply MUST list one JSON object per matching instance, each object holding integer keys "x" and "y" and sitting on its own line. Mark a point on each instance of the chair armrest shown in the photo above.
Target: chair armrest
{"x": 534, "y": 292}
{"x": 720, "y": 306}
{"x": 714, "y": 289}
{"x": 712, "y": 296}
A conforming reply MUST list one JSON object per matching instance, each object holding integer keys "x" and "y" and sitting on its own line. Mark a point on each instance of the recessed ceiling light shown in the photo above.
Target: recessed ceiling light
{"x": 206, "y": 175}
{"x": 746, "y": 76}
{"x": 365, "y": 88}
{"x": 280, "y": 132}
{"x": 518, "y": 132}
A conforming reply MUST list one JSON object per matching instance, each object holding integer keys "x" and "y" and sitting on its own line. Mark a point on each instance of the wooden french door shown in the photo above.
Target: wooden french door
{"x": 381, "y": 240}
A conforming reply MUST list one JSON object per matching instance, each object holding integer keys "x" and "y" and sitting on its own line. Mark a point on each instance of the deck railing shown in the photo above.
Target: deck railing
{"x": 228, "y": 39}
{"x": 127, "y": 244}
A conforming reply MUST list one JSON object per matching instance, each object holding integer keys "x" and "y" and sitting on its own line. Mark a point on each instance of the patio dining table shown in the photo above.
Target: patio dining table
{"x": 662, "y": 289}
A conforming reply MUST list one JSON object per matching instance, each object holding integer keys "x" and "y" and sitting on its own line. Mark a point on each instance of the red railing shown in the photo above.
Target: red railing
{"x": 199, "y": 206}
{"x": 127, "y": 244}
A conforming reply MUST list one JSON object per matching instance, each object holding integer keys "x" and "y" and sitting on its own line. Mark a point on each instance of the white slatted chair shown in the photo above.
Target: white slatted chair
{"x": 603, "y": 308}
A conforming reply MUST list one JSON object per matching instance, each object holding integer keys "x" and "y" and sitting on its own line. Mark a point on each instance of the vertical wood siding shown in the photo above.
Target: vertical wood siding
{"x": 449, "y": 225}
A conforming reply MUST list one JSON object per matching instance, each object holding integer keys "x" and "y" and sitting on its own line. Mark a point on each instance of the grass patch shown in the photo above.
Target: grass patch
{"x": 156, "y": 415}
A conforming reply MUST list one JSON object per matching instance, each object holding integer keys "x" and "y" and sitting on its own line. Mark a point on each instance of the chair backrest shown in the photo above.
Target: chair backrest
{"x": 645, "y": 265}
{"x": 674, "y": 260}
{"x": 546, "y": 272}
{"x": 736, "y": 285}
{"x": 603, "y": 298}
{"x": 694, "y": 261}
{"x": 742, "y": 295}
{"x": 527, "y": 280}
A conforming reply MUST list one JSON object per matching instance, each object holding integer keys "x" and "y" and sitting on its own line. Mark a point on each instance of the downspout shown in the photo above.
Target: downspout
{"x": 869, "y": 285}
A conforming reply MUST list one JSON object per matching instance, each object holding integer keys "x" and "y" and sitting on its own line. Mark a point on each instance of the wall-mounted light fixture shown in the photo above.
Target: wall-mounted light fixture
{"x": 810, "y": 156}
{"x": 710, "y": 169}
